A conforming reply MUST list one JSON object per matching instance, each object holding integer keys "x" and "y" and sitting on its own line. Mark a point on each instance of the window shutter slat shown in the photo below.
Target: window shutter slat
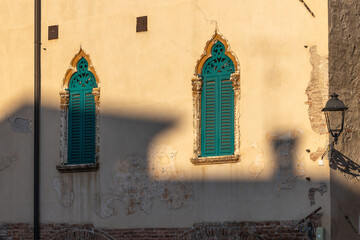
{"x": 209, "y": 118}
{"x": 89, "y": 128}
{"x": 81, "y": 148}
{"x": 217, "y": 116}
{"x": 75, "y": 119}
{"x": 226, "y": 144}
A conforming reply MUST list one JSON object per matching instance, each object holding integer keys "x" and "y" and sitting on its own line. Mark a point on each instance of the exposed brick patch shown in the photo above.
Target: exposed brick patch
{"x": 317, "y": 91}
{"x": 269, "y": 230}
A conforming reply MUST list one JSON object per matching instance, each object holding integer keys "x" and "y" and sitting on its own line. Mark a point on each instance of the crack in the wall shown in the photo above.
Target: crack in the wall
{"x": 317, "y": 91}
{"x": 210, "y": 21}
{"x": 133, "y": 185}
{"x": 258, "y": 164}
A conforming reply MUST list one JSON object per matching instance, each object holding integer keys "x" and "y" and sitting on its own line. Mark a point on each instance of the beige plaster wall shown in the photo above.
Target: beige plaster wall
{"x": 16, "y": 111}
{"x": 146, "y": 178}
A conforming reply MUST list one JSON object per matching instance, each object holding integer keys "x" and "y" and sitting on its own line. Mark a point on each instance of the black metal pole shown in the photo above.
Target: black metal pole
{"x": 37, "y": 88}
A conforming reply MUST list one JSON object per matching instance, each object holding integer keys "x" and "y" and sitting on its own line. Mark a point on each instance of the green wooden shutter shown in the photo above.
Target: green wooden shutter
{"x": 75, "y": 128}
{"x": 226, "y": 124}
{"x": 89, "y": 128}
{"x": 217, "y": 116}
{"x": 81, "y": 128}
{"x": 208, "y": 130}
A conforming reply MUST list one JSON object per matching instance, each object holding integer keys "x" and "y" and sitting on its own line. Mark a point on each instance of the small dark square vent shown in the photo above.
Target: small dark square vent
{"x": 53, "y": 32}
{"x": 141, "y": 24}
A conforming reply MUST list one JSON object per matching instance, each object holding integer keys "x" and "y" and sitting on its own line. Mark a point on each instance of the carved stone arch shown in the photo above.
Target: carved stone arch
{"x": 72, "y": 70}
{"x": 197, "y": 84}
{"x": 207, "y": 53}
{"x": 76, "y": 234}
{"x": 64, "y": 105}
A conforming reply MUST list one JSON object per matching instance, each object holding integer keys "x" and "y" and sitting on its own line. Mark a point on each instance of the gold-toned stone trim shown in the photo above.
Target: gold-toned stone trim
{"x": 207, "y": 52}
{"x": 215, "y": 160}
{"x": 197, "y": 84}
{"x": 64, "y": 93}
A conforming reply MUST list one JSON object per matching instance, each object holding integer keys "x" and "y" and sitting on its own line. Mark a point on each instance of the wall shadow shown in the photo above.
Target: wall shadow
{"x": 124, "y": 187}
{"x": 342, "y": 163}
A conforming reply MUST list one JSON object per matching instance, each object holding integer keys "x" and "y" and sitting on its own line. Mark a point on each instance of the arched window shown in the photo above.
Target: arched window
{"x": 216, "y": 94}
{"x": 81, "y": 116}
{"x": 79, "y": 101}
{"x": 217, "y": 104}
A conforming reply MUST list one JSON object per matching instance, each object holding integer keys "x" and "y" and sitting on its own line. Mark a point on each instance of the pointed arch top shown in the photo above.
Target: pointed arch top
{"x": 74, "y": 68}
{"x": 217, "y": 37}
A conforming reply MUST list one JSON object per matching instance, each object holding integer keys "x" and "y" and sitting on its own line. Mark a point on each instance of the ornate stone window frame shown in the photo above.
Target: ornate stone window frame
{"x": 64, "y": 105}
{"x": 197, "y": 84}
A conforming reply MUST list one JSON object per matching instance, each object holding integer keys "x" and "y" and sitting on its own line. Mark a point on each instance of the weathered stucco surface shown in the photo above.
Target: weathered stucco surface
{"x": 344, "y": 67}
{"x": 146, "y": 178}
{"x": 132, "y": 185}
{"x": 317, "y": 91}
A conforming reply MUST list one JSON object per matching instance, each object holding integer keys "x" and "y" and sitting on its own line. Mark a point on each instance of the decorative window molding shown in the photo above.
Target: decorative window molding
{"x": 197, "y": 88}
{"x": 80, "y": 69}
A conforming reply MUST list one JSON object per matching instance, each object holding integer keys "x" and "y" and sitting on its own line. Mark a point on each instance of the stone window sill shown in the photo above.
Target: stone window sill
{"x": 64, "y": 168}
{"x": 215, "y": 160}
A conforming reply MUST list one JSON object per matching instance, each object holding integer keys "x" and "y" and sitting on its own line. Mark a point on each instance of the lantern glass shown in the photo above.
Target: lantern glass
{"x": 335, "y": 121}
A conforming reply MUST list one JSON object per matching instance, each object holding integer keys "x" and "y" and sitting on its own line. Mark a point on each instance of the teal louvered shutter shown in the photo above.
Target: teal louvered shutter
{"x": 75, "y": 128}
{"x": 226, "y": 123}
{"x": 81, "y": 116}
{"x": 208, "y": 133}
{"x": 217, "y": 105}
{"x": 89, "y": 128}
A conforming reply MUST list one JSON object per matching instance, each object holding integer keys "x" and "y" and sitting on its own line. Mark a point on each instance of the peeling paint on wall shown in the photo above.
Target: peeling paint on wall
{"x": 316, "y": 155}
{"x": 7, "y": 160}
{"x": 317, "y": 91}
{"x": 257, "y": 155}
{"x": 321, "y": 189}
{"x": 64, "y": 192}
{"x": 136, "y": 188}
{"x": 19, "y": 124}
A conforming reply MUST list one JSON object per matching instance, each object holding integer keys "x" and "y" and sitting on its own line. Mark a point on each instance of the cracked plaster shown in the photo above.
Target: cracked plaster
{"x": 64, "y": 192}
{"x": 7, "y": 160}
{"x": 19, "y": 124}
{"x": 133, "y": 185}
{"x": 321, "y": 189}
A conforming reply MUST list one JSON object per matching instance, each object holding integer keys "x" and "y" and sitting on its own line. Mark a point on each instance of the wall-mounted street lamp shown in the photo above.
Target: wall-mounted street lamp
{"x": 334, "y": 111}
{"x": 335, "y": 115}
